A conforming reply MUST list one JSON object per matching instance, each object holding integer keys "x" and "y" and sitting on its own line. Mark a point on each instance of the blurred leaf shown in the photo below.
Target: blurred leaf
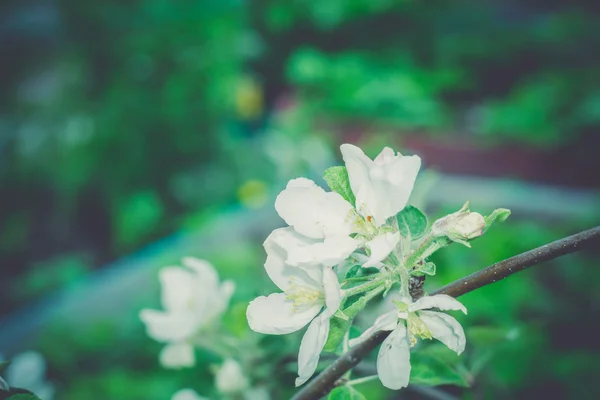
{"x": 345, "y": 393}
{"x": 412, "y": 223}
{"x": 431, "y": 370}
{"x": 137, "y": 216}
{"x": 24, "y": 396}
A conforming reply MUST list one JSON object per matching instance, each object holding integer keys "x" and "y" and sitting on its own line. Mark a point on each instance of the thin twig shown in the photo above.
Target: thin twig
{"x": 322, "y": 384}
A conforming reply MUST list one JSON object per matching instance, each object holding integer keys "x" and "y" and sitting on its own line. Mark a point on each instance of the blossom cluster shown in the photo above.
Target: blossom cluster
{"x": 364, "y": 221}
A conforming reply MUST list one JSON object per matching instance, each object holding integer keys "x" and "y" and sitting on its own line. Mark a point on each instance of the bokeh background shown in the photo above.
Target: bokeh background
{"x": 134, "y": 133}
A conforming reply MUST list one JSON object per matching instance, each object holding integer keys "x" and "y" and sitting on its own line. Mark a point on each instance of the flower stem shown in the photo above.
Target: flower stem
{"x": 375, "y": 283}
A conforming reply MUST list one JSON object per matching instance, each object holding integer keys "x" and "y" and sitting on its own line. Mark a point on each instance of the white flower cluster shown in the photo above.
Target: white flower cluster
{"x": 194, "y": 300}
{"x": 357, "y": 221}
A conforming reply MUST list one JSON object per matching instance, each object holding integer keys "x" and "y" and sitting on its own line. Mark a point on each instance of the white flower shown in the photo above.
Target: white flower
{"x": 407, "y": 323}
{"x": 381, "y": 186}
{"x": 460, "y": 226}
{"x": 325, "y": 219}
{"x": 27, "y": 371}
{"x": 305, "y": 292}
{"x": 192, "y": 299}
{"x": 230, "y": 378}
{"x": 187, "y": 394}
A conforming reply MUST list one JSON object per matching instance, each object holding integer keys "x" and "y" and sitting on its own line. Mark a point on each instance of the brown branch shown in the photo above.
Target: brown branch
{"x": 325, "y": 382}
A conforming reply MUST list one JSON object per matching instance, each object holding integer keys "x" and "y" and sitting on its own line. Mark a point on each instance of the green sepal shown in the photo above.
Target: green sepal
{"x": 412, "y": 223}
{"x": 345, "y": 393}
{"x": 427, "y": 269}
{"x": 358, "y": 271}
{"x": 337, "y": 180}
{"x": 498, "y": 215}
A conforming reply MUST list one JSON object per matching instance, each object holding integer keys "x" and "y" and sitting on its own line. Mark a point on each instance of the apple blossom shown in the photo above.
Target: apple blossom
{"x": 407, "y": 322}
{"x": 306, "y": 291}
{"x": 230, "y": 378}
{"x": 192, "y": 298}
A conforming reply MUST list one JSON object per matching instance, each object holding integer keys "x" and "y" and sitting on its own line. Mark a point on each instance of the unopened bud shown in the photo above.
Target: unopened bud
{"x": 460, "y": 226}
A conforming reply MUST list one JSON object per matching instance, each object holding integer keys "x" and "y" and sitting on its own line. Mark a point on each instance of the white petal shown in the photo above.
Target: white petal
{"x": 381, "y": 188}
{"x": 187, "y": 394}
{"x": 26, "y": 370}
{"x": 330, "y": 252}
{"x": 176, "y": 288}
{"x": 393, "y": 360}
{"x": 312, "y": 211}
{"x": 446, "y": 329}
{"x": 381, "y": 247}
{"x": 333, "y": 292}
{"x": 358, "y": 166}
{"x": 276, "y": 266}
{"x": 311, "y": 346}
{"x": 275, "y": 315}
{"x": 177, "y": 355}
{"x": 385, "y": 322}
{"x": 166, "y": 327}
{"x": 440, "y": 301}
{"x": 204, "y": 271}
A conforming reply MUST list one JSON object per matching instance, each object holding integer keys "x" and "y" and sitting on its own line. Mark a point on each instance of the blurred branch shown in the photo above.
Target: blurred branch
{"x": 323, "y": 383}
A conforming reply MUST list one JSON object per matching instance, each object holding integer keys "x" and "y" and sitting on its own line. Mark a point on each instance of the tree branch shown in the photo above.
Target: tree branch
{"x": 325, "y": 382}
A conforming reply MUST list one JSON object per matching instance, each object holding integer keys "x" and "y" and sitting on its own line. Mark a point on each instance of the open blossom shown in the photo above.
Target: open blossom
{"x": 306, "y": 291}
{"x": 324, "y": 220}
{"x": 192, "y": 298}
{"x": 407, "y": 323}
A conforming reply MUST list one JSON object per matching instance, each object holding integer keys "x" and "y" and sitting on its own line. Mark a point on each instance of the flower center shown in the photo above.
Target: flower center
{"x": 416, "y": 328}
{"x": 302, "y": 296}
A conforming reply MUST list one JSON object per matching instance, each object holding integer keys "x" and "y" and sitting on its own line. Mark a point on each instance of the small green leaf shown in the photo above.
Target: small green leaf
{"x": 337, "y": 180}
{"x": 412, "y": 222}
{"x": 345, "y": 393}
{"x": 427, "y": 268}
{"x": 337, "y": 329}
{"x": 498, "y": 215}
{"x": 352, "y": 271}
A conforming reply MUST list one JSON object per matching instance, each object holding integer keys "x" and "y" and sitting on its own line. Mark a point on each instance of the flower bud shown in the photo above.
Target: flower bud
{"x": 460, "y": 226}
{"x": 230, "y": 378}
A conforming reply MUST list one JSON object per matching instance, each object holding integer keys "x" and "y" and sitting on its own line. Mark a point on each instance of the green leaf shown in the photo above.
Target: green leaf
{"x": 412, "y": 222}
{"x": 338, "y": 326}
{"x": 352, "y": 271}
{"x": 24, "y": 396}
{"x": 337, "y": 180}
{"x": 498, "y": 215}
{"x": 433, "y": 371}
{"x": 345, "y": 393}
